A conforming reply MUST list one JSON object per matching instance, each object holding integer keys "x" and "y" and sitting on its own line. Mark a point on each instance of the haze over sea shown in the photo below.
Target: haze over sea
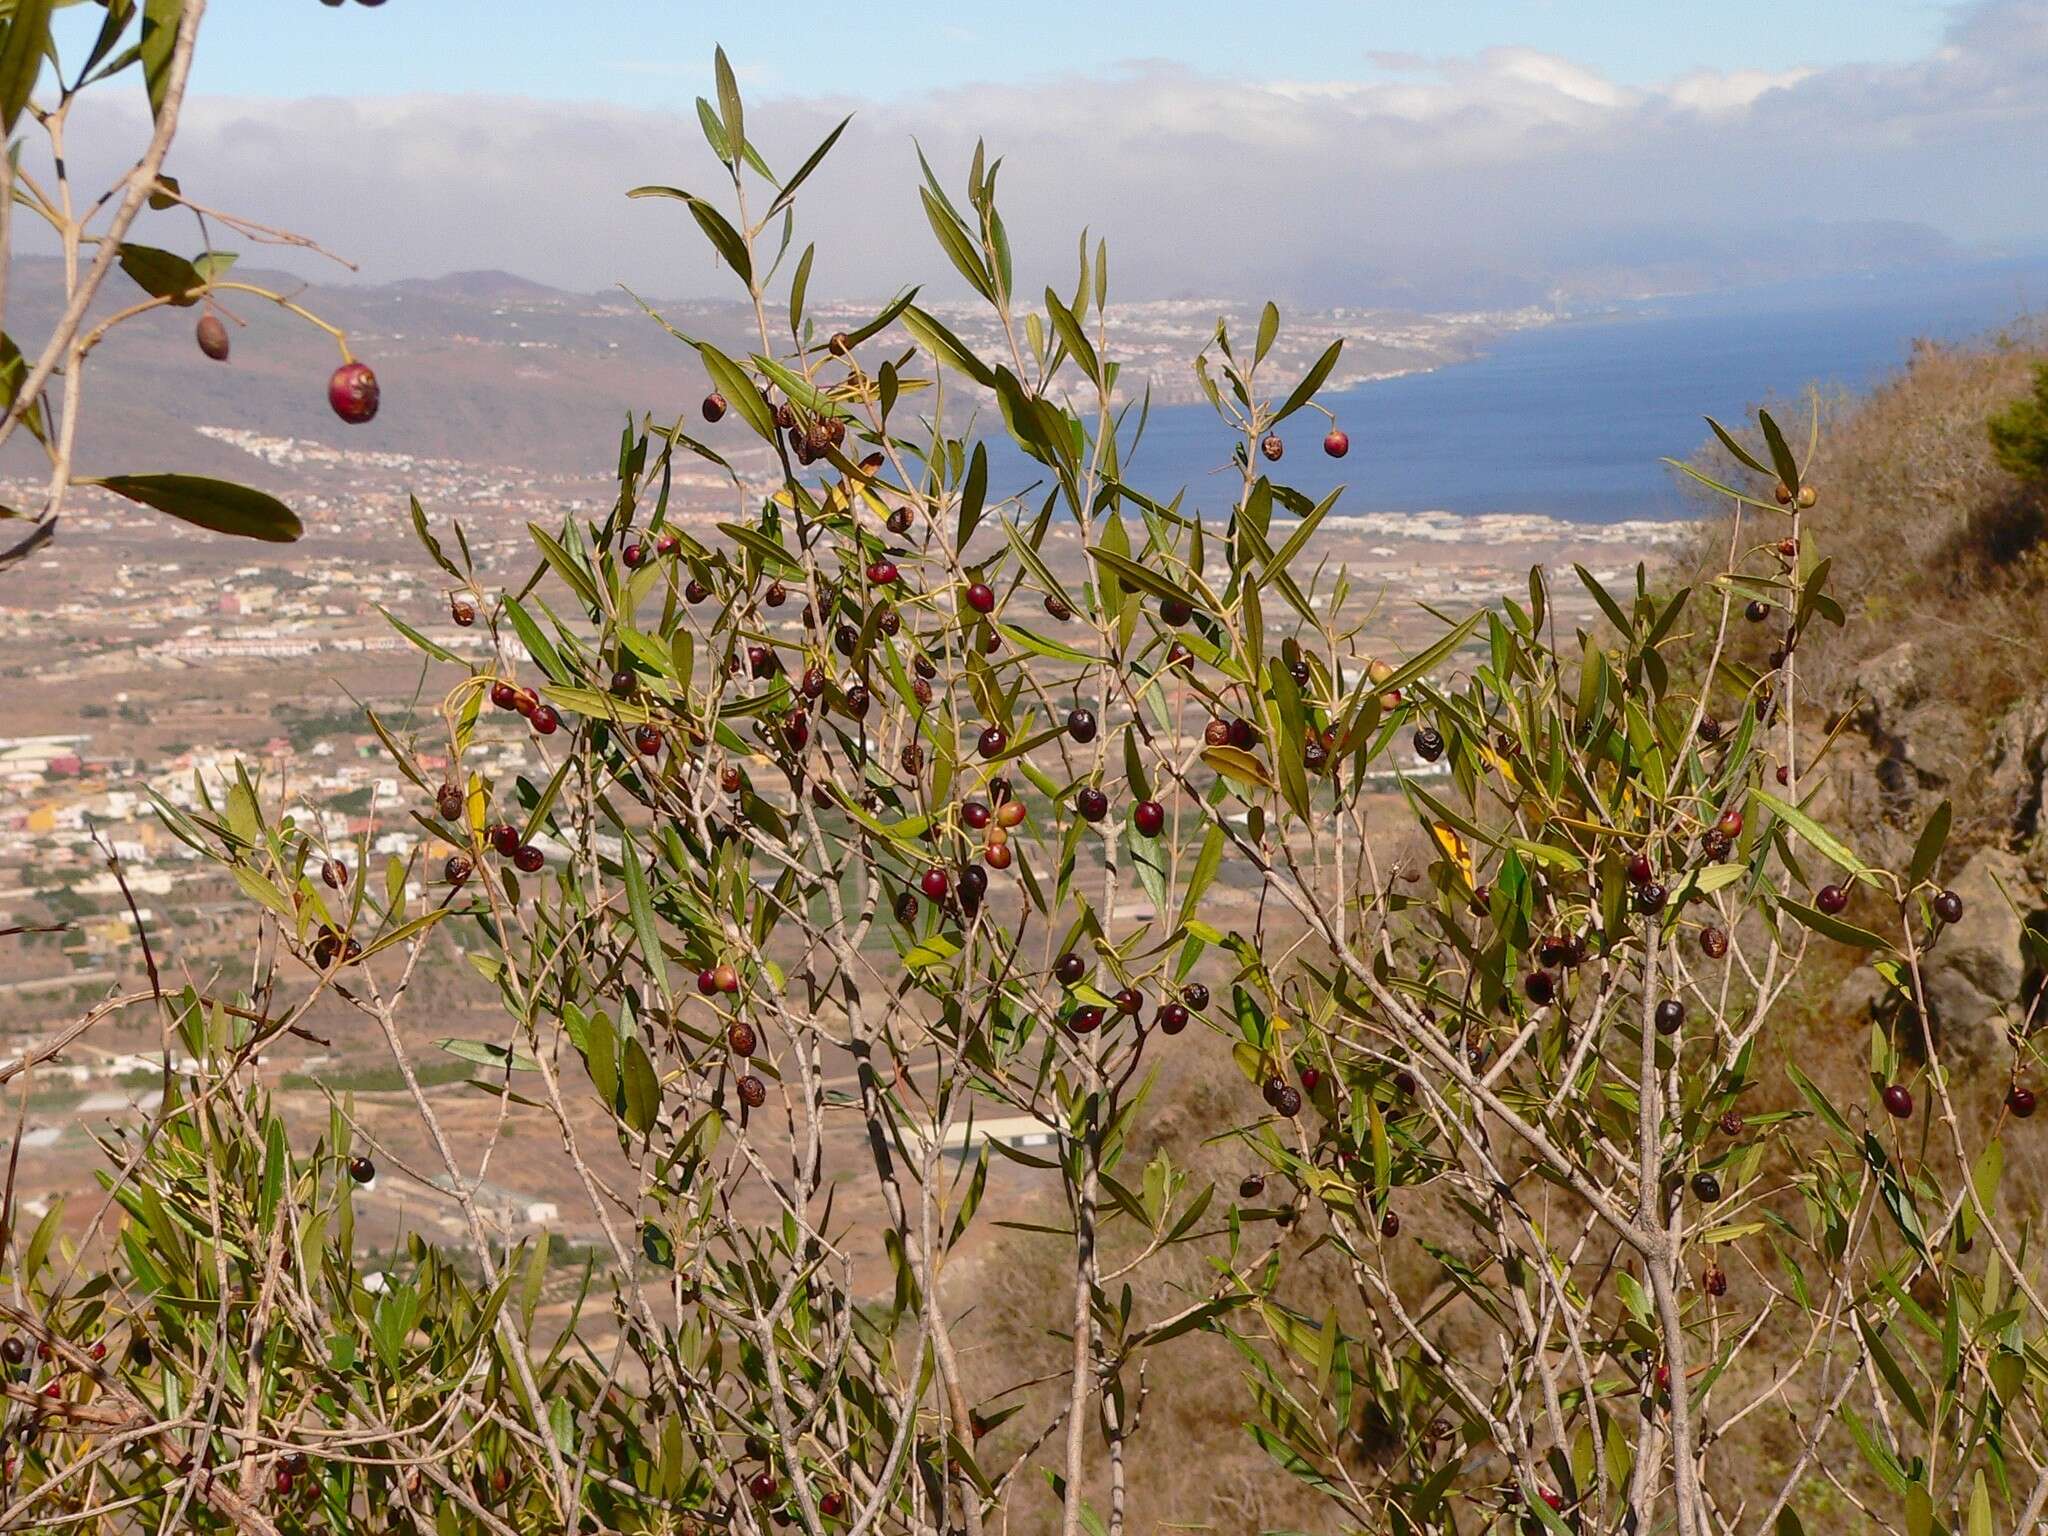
{"x": 1570, "y": 420}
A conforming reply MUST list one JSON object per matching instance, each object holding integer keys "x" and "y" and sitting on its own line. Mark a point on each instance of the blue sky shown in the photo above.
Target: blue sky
{"x": 1420, "y": 153}
{"x": 652, "y": 53}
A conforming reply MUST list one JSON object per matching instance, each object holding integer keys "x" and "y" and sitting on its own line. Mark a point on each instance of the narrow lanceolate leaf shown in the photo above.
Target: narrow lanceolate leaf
{"x": 161, "y": 20}
{"x": 816, "y": 157}
{"x": 219, "y": 505}
{"x": 1781, "y": 454}
{"x": 732, "y": 119}
{"x": 1310, "y": 381}
{"x": 1133, "y": 573}
{"x": 1741, "y": 453}
{"x": 1833, "y": 927}
{"x": 21, "y": 57}
{"x": 1823, "y": 841}
{"x": 1933, "y": 838}
{"x": 641, "y": 906}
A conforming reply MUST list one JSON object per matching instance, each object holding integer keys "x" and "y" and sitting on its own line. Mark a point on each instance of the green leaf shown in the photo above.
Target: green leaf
{"x": 1235, "y": 763}
{"x": 218, "y": 505}
{"x": 643, "y": 1088}
{"x": 730, "y": 380}
{"x": 21, "y": 57}
{"x": 1833, "y": 927}
{"x": 1310, "y": 381}
{"x": 162, "y": 274}
{"x": 642, "y": 909}
{"x": 1823, "y": 841}
{"x": 811, "y": 164}
{"x": 946, "y": 347}
{"x": 1741, "y": 453}
{"x": 1144, "y": 578}
{"x": 1781, "y": 455}
{"x": 733, "y": 120}
{"x": 1927, "y": 851}
{"x": 161, "y": 20}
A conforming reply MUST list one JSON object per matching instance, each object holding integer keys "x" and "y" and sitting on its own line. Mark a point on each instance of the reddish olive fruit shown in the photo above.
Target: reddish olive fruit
{"x": 334, "y": 874}
{"x": 464, "y": 614}
{"x": 1271, "y": 446}
{"x": 1129, "y": 1001}
{"x": 352, "y": 392}
{"x": 935, "y": 883}
{"x": 1149, "y": 817}
{"x": 992, "y": 741}
{"x": 1196, "y": 995}
{"x": 707, "y": 982}
{"x": 1081, "y": 724}
{"x": 1948, "y": 906}
{"x": 1171, "y": 1018}
{"x": 1091, "y": 803}
{"x": 1714, "y": 1280}
{"x": 361, "y": 1169}
{"x": 457, "y": 870}
{"x": 1337, "y": 443}
{"x": 1730, "y": 824}
{"x": 1713, "y": 942}
{"x": 635, "y": 556}
{"x": 833, "y": 1505}
{"x": 1783, "y": 494}
{"x": 1670, "y": 1016}
{"x": 1731, "y": 1123}
{"x": 1789, "y": 548}
{"x": 1310, "y": 1076}
{"x": 1216, "y": 734}
{"x": 647, "y": 740}
{"x": 667, "y": 545}
{"x": 1831, "y": 899}
{"x": 545, "y": 721}
{"x": 1639, "y": 869}
{"x": 1539, "y": 987}
{"x": 1010, "y": 813}
{"x": 882, "y": 573}
{"x": 1390, "y": 1224}
{"x": 2020, "y": 1101}
{"x": 974, "y": 814}
{"x": 725, "y": 977}
{"x": 1070, "y": 968}
{"x": 1428, "y": 743}
{"x": 1784, "y": 774}
{"x": 504, "y": 695}
{"x": 1085, "y": 1019}
{"x": 997, "y": 855}
{"x": 694, "y": 591}
{"x": 1898, "y": 1100}
{"x": 981, "y": 597}
{"x": 505, "y": 839}
{"x": 528, "y": 858}
{"x": 739, "y": 1038}
{"x": 448, "y": 801}
{"x": 714, "y": 406}
{"x": 212, "y": 337}
{"x": 762, "y": 1484}
{"x": 1175, "y": 611}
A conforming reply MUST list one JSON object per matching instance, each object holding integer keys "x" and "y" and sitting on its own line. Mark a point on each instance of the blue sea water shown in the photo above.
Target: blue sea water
{"x": 1571, "y": 420}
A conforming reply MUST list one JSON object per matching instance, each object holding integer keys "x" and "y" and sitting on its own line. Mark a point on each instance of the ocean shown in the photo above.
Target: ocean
{"x": 1571, "y": 419}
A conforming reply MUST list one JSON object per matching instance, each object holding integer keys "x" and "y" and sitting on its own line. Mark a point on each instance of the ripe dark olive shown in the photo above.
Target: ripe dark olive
{"x": 1091, "y": 803}
{"x": 1640, "y": 869}
{"x": 647, "y": 740}
{"x": 1651, "y": 897}
{"x": 1539, "y": 987}
{"x": 667, "y": 544}
{"x": 833, "y": 1505}
{"x": 1670, "y": 1016}
{"x": 361, "y": 1169}
{"x": 334, "y": 873}
{"x": 1337, "y": 443}
{"x": 1404, "y": 1081}
{"x": 1714, "y": 1280}
{"x": 212, "y": 337}
{"x": 1731, "y": 1122}
{"x": 1948, "y": 906}
{"x": 973, "y": 886}
{"x": 714, "y": 406}
{"x": 1085, "y": 1019}
{"x": 352, "y": 392}
{"x": 1175, "y": 611}
{"x": 1715, "y": 844}
{"x": 1706, "y": 1187}
{"x": 504, "y": 695}
{"x": 1251, "y": 1186}
{"x": 1288, "y": 1100}
{"x": 975, "y": 814}
{"x": 1757, "y": 610}
{"x": 1149, "y": 817}
{"x": 906, "y": 909}
{"x": 1831, "y": 899}
{"x": 504, "y": 839}
{"x": 1059, "y": 608}
{"x": 2020, "y": 1101}
{"x": 528, "y": 858}
{"x": 1428, "y": 744}
{"x": 1129, "y": 1001}
{"x": 1898, "y": 1100}
{"x": 1178, "y": 655}
{"x": 739, "y": 1038}
{"x": 935, "y": 883}
{"x": 992, "y": 742}
{"x": 1216, "y": 734}
{"x": 753, "y": 1094}
{"x": 635, "y": 556}
{"x": 457, "y": 870}
{"x": 1081, "y": 724}
{"x": 1171, "y": 1018}
{"x": 882, "y": 573}
{"x": 1243, "y": 734}
{"x": 981, "y": 597}
{"x": 545, "y": 721}
{"x": 623, "y": 685}
{"x": 1390, "y": 1224}
{"x": 1069, "y": 968}
{"x": 1709, "y": 728}
{"x": 1271, "y": 446}
{"x": 13, "y": 1351}
{"x": 463, "y": 613}
{"x": 1196, "y": 995}
{"x": 729, "y": 779}
{"x": 694, "y": 591}
{"x": 448, "y": 801}
{"x": 1713, "y": 942}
